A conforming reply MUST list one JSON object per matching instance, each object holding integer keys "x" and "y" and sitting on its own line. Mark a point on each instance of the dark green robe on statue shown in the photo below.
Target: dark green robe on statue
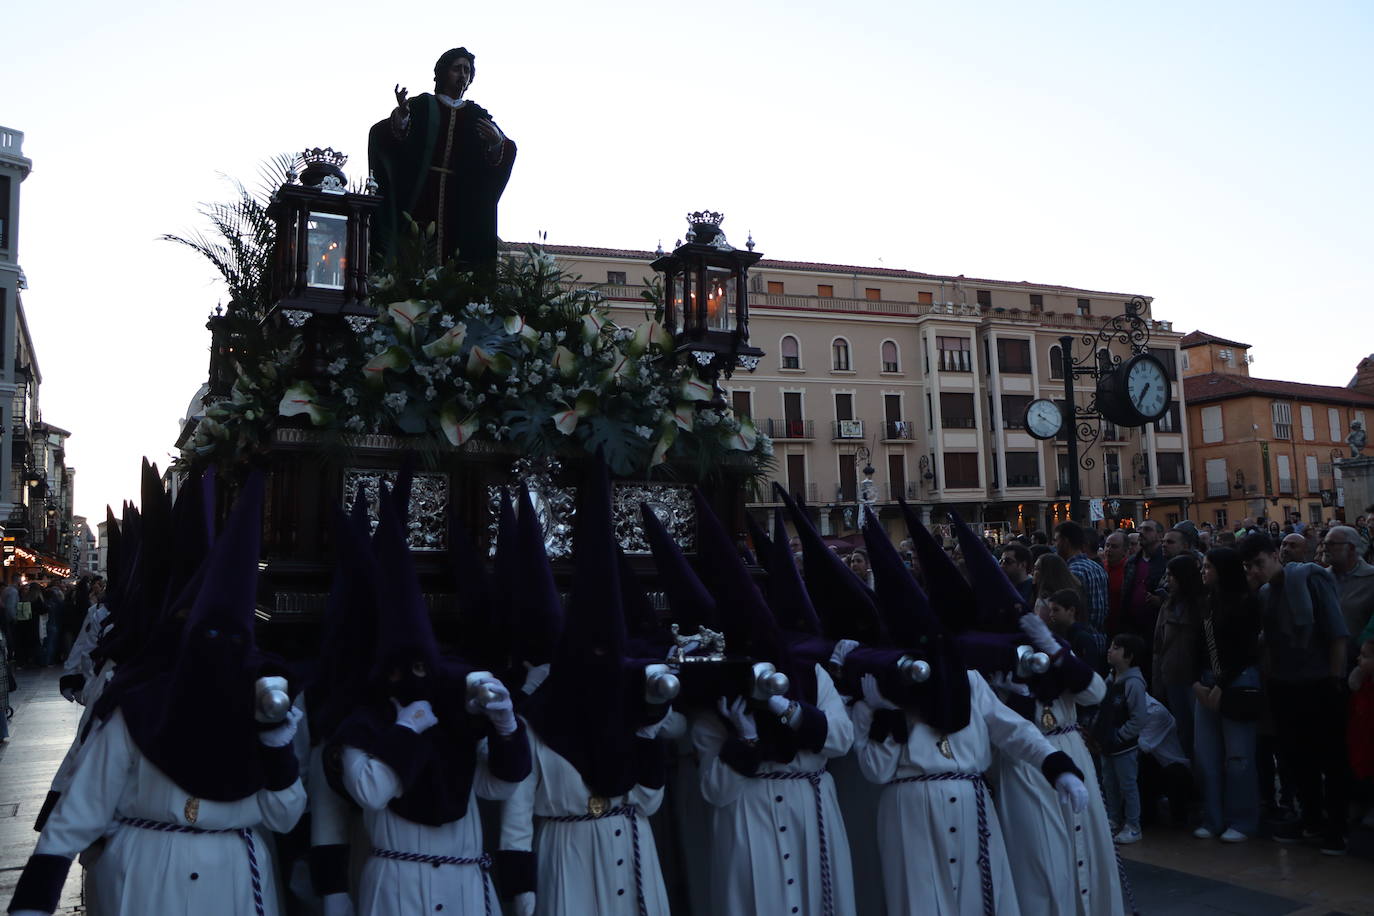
{"x": 439, "y": 170}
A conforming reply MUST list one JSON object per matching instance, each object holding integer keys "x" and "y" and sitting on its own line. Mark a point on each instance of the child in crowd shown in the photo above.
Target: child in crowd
{"x": 1117, "y": 732}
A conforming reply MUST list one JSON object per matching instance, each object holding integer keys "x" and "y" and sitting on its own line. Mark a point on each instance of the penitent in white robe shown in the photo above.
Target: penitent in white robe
{"x": 1063, "y": 863}
{"x": 149, "y": 871}
{"x": 765, "y": 837}
{"x": 585, "y": 867}
{"x": 928, "y": 831}
{"x": 393, "y": 888}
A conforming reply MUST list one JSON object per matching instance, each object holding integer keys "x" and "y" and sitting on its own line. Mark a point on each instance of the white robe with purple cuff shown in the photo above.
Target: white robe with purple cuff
{"x": 584, "y": 867}
{"x": 390, "y": 887}
{"x": 765, "y": 836}
{"x": 157, "y": 872}
{"x": 928, "y": 831}
{"x": 1062, "y": 862}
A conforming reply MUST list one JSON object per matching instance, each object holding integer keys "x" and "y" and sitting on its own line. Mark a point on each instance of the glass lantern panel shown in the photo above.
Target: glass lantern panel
{"x": 720, "y": 300}
{"x": 325, "y": 237}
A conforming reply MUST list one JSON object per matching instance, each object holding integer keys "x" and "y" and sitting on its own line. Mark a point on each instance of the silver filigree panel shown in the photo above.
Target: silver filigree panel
{"x": 556, "y": 508}
{"x": 429, "y": 496}
{"x": 672, "y": 504}
{"x": 296, "y": 317}
{"x": 554, "y": 505}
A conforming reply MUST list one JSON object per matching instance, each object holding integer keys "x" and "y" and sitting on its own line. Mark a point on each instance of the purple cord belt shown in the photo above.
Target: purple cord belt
{"x": 629, "y": 812}
{"x": 245, "y": 833}
{"x": 483, "y": 862}
{"x": 984, "y": 861}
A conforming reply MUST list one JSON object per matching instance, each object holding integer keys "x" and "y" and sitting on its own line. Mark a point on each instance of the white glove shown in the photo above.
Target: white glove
{"x": 418, "y": 716}
{"x": 524, "y": 904}
{"x": 842, "y": 648}
{"x": 778, "y": 705}
{"x": 270, "y": 699}
{"x": 498, "y": 709}
{"x": 337, "y": 905}
{"x": 653, "y": 728}
{"x": 739, "y": 716}
{"x": 69, "y": 694}
{"x": 1072, "y": 793}
{"x": 281, "y": 735}
{"x": 534, "y": 677}
{"x": 873, "y": 696}
{"x": 1039, "y": 634}
{"x": 1004, "y": 681}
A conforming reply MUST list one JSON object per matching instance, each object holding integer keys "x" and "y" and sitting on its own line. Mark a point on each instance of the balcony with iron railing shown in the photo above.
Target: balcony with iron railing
{"x": 1218, "y": 488}
{"x": 1286, "y": 486}
{"x": 788, "y": 429}
{"x": 1016, "y": 481}
{"x": 947, "y": 422}
{"x": 1314, "y": 485}
{"x": 763, "y": 494}
{"x": 898, "y": 431}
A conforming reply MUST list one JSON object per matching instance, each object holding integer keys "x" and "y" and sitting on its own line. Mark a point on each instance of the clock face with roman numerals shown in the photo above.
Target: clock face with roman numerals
{"x": 1147, "y": 387}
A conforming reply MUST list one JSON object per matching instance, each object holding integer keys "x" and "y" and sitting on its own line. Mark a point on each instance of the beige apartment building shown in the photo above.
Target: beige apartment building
{"x": 931, "y": 375}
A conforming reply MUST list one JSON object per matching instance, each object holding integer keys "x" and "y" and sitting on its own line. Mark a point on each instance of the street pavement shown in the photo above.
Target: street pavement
{"x": 1171, "y": 873}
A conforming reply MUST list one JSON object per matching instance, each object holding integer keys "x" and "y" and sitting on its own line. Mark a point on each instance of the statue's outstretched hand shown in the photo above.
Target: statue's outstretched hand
{"x": 401, "y": 97}
{"x": 488, "y": 131}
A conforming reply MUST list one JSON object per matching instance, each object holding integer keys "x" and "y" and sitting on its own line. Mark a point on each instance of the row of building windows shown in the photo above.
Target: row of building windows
{"x": 955, "y": 354}
{"x": 961, "y": 470}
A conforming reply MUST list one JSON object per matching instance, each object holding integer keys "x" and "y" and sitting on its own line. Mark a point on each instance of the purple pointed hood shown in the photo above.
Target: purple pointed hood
{"x": 787, "y": 594}
{"x": 943, "y": 701}
{"x": 190, "y": 541}
{"x": 536, "y": 608}
{"x": 750, "y": 628}
{"x": 350, "y": 620}
{"x": 584, "y": 710}
{"x": 691, "y": 604}
{"x": 481, "y": 624}
{"x": 763, "y": 544}
{"x": 999, "y": 603}
{"x": 648, "y": 637}
{"x": 438, "y": 765}
{"x": 846, "y": 606}
{"x": 407, "y": 654}
{"x": 195, "y": 722}
{"x": 950, "y": 594}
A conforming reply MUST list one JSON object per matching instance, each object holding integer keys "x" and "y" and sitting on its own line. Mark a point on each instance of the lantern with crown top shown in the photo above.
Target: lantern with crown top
{"x": 321, "y": 258}
{"x": 706, "y": 300}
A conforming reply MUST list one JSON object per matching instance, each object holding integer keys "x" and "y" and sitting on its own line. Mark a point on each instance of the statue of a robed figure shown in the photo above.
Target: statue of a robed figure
{"x": 441, "y": 159}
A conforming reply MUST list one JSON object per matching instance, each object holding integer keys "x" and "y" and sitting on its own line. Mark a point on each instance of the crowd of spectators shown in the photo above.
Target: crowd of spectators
{"x": 1255, "y": 649}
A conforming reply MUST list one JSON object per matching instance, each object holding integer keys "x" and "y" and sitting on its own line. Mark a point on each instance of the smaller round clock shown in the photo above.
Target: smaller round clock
{"x": 1043, "y": 418}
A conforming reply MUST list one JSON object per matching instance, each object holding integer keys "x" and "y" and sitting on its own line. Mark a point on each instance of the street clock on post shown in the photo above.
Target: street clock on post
{"x": 1044, "y": 419}
{"x": 1135, "y": 393}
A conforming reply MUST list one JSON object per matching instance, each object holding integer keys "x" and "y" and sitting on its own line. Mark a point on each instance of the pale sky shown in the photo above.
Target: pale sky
{"x": 1215, "y": 156}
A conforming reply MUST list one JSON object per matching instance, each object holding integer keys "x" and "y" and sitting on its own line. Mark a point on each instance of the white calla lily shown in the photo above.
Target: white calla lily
{"x": 448, "y": 344}
{"x": 407, "y": 314}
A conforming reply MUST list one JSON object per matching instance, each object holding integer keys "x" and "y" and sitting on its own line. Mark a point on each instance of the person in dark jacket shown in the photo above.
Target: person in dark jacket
{"x": 1224, "y": 735}
{"x": 1176, "y": 661}
{"x": 1117, "y": 732}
